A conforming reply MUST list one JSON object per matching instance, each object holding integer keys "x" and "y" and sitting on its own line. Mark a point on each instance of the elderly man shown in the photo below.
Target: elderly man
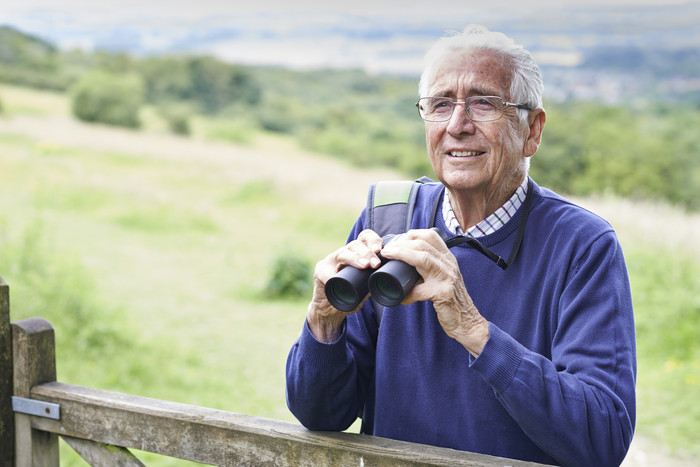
{"x": 534, "y": 362}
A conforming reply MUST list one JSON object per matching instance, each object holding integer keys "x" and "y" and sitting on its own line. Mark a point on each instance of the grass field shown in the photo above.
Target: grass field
{"x": 150, "y": 254}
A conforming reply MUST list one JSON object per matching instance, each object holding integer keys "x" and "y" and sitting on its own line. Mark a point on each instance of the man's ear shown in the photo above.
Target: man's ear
{"x": 536, "y": 121}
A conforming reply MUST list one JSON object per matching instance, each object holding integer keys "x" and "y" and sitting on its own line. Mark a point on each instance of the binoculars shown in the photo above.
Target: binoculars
{"x": 388, "y": 284}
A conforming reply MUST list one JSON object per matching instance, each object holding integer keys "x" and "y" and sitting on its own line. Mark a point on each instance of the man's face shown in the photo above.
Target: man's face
{"x": 475, "y": 158}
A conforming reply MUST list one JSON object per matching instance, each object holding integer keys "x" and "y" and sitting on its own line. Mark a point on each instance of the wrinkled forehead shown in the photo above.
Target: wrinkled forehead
{"x": 463, "y": 74}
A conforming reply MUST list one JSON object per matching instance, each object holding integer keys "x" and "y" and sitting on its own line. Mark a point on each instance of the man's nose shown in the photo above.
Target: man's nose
{"x": 459, "y": 121}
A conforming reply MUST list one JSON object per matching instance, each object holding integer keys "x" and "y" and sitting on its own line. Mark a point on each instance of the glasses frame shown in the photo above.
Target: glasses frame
{"x": 466, "y": 107}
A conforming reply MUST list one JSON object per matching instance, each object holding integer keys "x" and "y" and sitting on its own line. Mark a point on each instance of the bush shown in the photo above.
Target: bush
{"x": 178, "y": 118}
{"x": 291, "y": 277}
{"x": 113, "y": 99}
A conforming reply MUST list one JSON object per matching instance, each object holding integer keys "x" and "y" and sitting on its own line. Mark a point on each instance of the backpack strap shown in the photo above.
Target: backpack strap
{"x": 390, "y": 206}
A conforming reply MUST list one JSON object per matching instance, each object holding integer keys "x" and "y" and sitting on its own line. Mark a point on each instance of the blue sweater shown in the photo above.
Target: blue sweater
{"x": 555, "y": 382}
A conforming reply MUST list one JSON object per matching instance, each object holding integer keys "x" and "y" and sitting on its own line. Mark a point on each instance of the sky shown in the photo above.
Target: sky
{"x": 193, "y": 9}
{"x": 376, "y": 35}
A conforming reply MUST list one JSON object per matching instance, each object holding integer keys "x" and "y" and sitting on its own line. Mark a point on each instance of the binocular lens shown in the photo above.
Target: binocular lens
{"x": 390, "y": 283}
{"x": 387, "y": 289}
{"x": 343, "y": 293}
{"x": 348, "y": 288}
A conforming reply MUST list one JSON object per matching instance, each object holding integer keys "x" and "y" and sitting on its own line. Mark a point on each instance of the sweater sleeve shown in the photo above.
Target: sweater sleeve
{"x": 579, "y": 406}
{"x": 327, "y": 383}
{"x": 319, "y": 383}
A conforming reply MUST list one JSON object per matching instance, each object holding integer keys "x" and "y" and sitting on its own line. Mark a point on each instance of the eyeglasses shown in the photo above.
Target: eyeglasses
{"x": 478, "y": 108}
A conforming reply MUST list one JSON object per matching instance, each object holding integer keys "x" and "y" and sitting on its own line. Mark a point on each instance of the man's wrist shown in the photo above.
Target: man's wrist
{"x": 326, "y": 329}
{"x": 481, "y": 337}
{"x": 476, "y": 338}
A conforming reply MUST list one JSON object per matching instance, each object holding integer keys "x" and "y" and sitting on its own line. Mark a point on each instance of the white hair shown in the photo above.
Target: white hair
{"x": 526, "y": 81}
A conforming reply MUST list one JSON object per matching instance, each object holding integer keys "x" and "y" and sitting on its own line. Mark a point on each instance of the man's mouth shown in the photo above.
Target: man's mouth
{"x": 465, "y": 153}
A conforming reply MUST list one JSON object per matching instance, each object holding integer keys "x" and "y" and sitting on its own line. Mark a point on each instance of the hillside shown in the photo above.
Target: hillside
{"x": 594, "y": 111}
{"x": 310, "y": 177}
{"x": 177, "y": 235}
{"x": 306, "y": 177}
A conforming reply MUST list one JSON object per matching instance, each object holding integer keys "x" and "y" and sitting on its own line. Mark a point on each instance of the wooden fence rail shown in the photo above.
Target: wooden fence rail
{"x": 102, "y": 425}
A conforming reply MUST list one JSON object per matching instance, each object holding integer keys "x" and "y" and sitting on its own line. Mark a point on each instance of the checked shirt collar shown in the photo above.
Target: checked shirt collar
{"x": 493, "y": 222}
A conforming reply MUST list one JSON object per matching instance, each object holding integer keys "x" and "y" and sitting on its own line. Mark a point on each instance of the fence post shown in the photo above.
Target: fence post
{"x": 34, "y": 352}
{"x": 7, "y": 421}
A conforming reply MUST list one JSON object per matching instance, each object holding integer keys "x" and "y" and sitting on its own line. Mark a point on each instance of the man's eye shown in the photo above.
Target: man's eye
{"x": 482, "y": 102}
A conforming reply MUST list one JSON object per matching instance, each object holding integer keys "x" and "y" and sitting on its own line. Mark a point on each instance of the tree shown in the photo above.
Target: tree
{"x": 113, "y": 99}
{"x": 216, "y": 85}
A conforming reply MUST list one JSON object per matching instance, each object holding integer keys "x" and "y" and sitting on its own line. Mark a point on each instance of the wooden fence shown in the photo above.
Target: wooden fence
{"x": 101, "y": 425}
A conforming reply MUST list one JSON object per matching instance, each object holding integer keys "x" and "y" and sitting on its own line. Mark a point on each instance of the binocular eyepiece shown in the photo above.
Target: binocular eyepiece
{"x": 388, "y": 285}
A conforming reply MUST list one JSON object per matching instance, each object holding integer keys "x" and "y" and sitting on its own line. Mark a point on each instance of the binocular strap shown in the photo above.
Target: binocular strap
{"x": 473, "y": 242}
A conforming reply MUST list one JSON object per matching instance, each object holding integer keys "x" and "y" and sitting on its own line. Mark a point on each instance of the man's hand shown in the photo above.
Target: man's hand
{"x": 442, "y": 283}
{"x": 325, "y": 321}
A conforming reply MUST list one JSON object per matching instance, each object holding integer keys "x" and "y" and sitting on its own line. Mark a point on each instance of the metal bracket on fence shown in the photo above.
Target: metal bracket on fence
{"x": 37, "y": 408}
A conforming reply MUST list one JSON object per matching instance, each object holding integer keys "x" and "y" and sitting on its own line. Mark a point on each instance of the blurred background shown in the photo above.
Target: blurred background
{"x": 170, "y": 173}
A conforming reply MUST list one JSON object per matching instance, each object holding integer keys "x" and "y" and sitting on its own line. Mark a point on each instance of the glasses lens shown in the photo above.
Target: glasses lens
{"x": 435, "y": 109}
{"x": 479, "y": 108}
{"x": 484, "y": 109}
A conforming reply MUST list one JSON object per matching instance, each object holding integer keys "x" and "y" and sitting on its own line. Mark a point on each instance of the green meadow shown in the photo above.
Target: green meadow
{"x": 152, "y": 254}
